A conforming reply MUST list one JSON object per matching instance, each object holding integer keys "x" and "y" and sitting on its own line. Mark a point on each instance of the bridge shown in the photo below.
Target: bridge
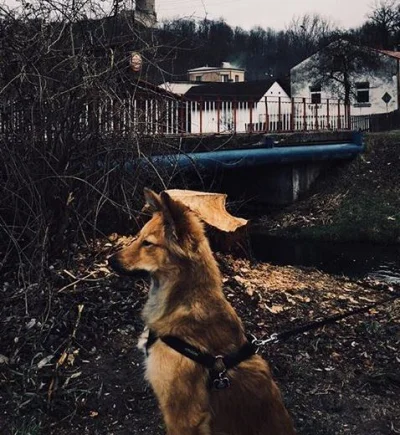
{"x": 276, "y": 169}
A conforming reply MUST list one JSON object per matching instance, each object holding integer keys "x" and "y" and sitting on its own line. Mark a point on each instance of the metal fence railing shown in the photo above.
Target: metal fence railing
{"x": 168, "y": 116}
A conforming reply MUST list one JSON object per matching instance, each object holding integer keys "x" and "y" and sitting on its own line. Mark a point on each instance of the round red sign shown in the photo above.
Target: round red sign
{"x": 136, "y": 62}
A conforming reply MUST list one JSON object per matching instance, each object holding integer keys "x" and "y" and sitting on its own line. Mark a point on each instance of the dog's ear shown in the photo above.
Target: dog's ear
{"x": 174, "y": 216}
{"x": 153, "y": 200}
{"x": 179, "y": 225}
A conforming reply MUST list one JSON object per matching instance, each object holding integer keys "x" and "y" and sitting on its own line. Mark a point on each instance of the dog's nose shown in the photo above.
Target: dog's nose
{"x": 113, "y": 263}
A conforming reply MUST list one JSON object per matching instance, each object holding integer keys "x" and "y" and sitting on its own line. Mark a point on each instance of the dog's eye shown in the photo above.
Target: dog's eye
{"x": 146, "y": 243}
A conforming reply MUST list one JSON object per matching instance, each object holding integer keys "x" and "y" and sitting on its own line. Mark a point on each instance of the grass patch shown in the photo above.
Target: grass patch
{"x": 366, "y": 216}
{"x": 354, "y": 201}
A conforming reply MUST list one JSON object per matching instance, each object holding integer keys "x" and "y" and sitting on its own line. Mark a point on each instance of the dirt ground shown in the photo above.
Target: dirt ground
{"x": 69, "y": 363}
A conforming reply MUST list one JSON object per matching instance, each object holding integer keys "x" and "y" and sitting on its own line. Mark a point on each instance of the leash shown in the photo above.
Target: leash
{"x": 218, "y": 377}
{"x": 283, "y": 336}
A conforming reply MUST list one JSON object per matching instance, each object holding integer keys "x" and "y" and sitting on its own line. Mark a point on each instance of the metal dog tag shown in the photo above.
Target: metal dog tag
{"x": 221, "y": 383}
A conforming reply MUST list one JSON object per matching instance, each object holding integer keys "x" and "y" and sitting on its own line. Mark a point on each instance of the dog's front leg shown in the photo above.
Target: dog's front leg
{"x": 199, "y": 424}
{"x": 182, "y": 392}
{"x": 186, "y": 409}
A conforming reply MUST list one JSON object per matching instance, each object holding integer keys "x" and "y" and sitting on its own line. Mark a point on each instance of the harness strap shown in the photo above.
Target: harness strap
{"x": 235, "y": 358}
{"x": 204, "y": 358}
{"x": 191, "y": 352}
{"x": 151, "y": 339}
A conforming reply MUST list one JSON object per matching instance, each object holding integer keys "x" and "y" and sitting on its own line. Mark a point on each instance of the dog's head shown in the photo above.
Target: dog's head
{"x": 166, "y": 243}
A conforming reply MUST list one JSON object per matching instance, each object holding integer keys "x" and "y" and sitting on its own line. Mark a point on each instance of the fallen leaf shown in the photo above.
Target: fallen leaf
{"x": 75, "y": 375}
{"x": 71, "y": 359}
{"x": 250, "y": 291}
{"x": 31, "y": 324}
{"x": 62, "y": 359}
{"x": 4, "y": 359}
{"x": 239, "y": 279}
{"x": 44, "y": 361}
{"x": 275, "y": 309}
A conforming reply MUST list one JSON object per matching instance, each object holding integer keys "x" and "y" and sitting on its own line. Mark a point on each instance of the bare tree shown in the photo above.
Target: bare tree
{"x": 65, "y": 82}
{"x": 338, "y": 66}
{"x": 385, "y": 17}
{"x": 309, "y": 31}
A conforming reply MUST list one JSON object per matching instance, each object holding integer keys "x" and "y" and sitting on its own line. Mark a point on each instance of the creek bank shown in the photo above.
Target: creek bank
{"x": 355, "y": 201}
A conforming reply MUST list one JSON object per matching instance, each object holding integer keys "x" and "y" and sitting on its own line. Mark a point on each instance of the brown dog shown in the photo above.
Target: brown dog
{"x": 191, "y": 322}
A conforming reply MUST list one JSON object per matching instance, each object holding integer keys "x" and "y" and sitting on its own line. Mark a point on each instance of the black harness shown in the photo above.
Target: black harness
{"x": 218, "y": 378}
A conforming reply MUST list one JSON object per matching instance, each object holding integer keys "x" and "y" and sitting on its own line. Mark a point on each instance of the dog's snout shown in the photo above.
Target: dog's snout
{"x": 114, "y": 264}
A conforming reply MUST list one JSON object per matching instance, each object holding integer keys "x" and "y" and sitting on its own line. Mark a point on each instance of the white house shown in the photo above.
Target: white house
{"x": 374, "y": 90}
{"x": 225, "y": 73}
{"x": 178, "y": 88}
{"x": 238, "y": 106}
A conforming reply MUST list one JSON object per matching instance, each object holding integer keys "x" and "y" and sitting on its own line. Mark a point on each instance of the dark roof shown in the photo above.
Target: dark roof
{"x": 394, "y": 54}
{"x": 231, "y": 91}
{"x": 128, "y": 84}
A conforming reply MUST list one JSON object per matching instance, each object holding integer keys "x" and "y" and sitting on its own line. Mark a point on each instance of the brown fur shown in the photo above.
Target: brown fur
{"x": 186, "y": 300}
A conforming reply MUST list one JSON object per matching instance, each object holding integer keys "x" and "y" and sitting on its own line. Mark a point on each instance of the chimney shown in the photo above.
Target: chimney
{"x": 145, "y": 12}
{"x": 146, "y": 6}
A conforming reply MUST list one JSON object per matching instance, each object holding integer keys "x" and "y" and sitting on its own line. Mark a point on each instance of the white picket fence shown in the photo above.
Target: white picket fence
{"x": 168, "y": 116}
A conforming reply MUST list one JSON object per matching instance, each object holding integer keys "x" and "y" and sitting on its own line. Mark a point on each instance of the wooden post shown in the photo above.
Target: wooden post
{"x": 154, "y": 116}
{"x": 201, "y": 116}
{"x": 292, "y": 115}
{"x": 181, "y": 116}
{"x": 218, "y": 115}
{"x": 234, "y": 107}
{"x": 327, "y": 114}
{"x": 266, "y": 116}
{"x": 279, "y": 113}
{"x": 251, "y": 116}
{"x": 348, "y": 117}
{"x": 304, "y": 114}
{"x": 339, "y": 120}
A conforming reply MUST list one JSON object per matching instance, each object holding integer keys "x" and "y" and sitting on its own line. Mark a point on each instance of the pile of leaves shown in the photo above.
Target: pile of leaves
{"x": 69, "y": 362}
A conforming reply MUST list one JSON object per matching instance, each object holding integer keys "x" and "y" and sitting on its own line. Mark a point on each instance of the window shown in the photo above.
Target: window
{"x": 198, "y": 78}
{"x": 236, "y": 78}
{"x": 224, "y": 77}
{"x": 362, "y": 89}
{"x": 315, "y": 94}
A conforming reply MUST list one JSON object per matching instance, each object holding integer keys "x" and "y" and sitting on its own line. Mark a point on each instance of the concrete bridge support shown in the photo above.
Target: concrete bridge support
{"x": 273, "y": 184}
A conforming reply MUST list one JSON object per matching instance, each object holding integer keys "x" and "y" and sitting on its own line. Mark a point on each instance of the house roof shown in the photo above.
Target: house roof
{"x": 149, "y": 90}
{"x": 179, "y": 88}
{"x": 395, "y": 54}
{"x": 214, "y": 68}
{"x": 231, "y": 91}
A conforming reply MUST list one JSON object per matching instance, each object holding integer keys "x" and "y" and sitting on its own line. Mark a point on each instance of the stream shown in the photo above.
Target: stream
{"x": 355, "y": 260}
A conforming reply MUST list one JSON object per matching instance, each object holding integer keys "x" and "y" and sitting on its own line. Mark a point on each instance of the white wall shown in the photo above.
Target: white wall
{"x": 381, "y": 81}
{"x": 226, "y": 113}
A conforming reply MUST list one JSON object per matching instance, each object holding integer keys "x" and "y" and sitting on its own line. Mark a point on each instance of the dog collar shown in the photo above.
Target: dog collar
{"x": 218, "y": 377}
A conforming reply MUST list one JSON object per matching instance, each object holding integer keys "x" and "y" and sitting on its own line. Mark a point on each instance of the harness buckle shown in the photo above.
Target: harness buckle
{"x": 273, "y": 338}
{"x": 222, "y": 382}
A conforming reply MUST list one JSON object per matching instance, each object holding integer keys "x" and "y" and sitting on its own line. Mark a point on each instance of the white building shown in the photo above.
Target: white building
{"x": 238, "y": 107}
{"x": 374, "y": 91}
{"x": 225, "y": 73}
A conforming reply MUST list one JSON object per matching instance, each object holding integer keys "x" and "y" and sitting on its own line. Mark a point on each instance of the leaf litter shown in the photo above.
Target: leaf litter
{"x": 76, "y": 369}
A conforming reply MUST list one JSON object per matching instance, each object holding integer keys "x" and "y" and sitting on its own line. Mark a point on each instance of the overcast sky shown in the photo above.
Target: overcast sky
{"x": 265, "y": 13}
